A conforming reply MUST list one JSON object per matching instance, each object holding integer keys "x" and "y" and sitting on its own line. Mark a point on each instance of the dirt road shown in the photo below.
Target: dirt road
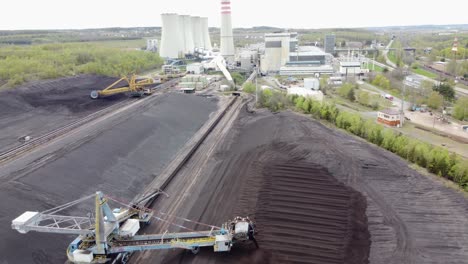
{"x": 267, "y": 167}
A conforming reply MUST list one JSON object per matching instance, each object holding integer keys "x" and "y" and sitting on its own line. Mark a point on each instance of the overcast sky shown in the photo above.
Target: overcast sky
{"x": 64, "y": 14}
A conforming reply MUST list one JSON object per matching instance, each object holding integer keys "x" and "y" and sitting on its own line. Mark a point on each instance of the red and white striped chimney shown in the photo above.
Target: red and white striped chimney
{"x": 227, "y": 38}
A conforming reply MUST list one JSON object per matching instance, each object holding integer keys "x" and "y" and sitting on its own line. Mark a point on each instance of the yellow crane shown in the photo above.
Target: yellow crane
{"x": 134, "y": 86}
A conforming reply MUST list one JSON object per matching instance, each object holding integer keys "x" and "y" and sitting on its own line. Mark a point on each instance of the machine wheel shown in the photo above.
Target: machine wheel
{"x": 195, "y": 250}
{"x": 94, "y": 94}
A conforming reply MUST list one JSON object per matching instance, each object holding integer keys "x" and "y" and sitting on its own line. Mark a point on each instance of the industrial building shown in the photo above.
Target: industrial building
{"x": 390, "y": 117}
{"x": 348, "y": 68}
{"x": 283, "y": 55}
{"x": 195, "y": 68}
{"x": 277, "y": 50}
{"x": 329, "y": 44}
{"x": 227, "y": 37}
{"x": 152, "y": 45}
{"x": 183, "y": 35}
{"x": 301, "y": 91}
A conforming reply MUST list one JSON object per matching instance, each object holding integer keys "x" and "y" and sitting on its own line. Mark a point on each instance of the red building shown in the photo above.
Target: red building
{"x": 390, "y": 117}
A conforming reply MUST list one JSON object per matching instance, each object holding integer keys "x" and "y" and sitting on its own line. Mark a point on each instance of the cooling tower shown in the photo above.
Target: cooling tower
{"x": 227, "y": 38}
{"x": 172, "y": 39}
{"x": 197, "y": 34}
{"x": 206, "y": 34}
{"x": 188, "y": 33}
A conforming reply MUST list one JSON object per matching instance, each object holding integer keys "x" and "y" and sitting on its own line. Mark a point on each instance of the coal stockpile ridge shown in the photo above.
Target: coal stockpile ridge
{"x": 304, "y": 215}
{"x": 64, "y": 94}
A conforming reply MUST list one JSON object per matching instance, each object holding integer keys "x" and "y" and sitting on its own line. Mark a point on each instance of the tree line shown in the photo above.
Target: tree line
{"x": 19, "y": 64}
{"x": 435, "y": 159}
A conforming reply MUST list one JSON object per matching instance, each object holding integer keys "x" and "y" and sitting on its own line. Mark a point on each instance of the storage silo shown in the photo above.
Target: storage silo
{"x": 171, "y": 39}
{"x": 206, "y": 34}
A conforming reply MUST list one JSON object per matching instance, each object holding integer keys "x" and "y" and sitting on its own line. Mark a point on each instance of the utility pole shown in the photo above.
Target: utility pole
{"x": 256, "y": 86}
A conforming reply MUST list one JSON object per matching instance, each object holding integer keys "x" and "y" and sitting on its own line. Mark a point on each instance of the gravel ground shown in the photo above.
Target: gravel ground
{"x": 119, "y": 161}
{"x": 42, "y": 106}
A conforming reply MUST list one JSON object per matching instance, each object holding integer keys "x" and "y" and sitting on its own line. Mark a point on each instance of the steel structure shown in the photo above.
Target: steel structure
{"x": 134, "y": 86}
{"x": 111, "y": 234}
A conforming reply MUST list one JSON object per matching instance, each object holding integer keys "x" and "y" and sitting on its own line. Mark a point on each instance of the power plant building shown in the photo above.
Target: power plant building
{"x": 329, "y": 44}
{"x": 183, "y": 35}
{"x": 227, "y": 38}
{"x": 277, "y": 50}
{"x": 283, "y": 55}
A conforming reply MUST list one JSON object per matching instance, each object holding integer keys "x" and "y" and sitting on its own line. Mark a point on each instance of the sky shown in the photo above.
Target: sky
{"x": 78, "y": 14}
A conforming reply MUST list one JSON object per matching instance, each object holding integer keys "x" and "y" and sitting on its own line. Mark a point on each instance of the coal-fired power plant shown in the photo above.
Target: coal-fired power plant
{"x": 183, "y": 35}
{"x": 227, "y": 38}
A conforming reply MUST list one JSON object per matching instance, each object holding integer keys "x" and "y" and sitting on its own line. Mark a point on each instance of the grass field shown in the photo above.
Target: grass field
{"x": 423, "y": 72}
{"x": 376, "y": 69}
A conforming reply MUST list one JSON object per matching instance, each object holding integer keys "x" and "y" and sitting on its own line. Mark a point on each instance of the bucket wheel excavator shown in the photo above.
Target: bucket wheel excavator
{"x": 132, "y": 85}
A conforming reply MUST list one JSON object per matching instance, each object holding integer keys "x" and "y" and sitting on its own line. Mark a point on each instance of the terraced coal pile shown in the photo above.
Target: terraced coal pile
{"x": 306, "y": 216}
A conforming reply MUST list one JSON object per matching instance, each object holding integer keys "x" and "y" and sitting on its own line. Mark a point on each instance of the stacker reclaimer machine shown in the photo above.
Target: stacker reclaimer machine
{"x": 111, "y": 235}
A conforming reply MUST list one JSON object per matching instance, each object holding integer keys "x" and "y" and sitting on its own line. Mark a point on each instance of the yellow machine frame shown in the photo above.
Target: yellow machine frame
{"x": 134, "y": 86}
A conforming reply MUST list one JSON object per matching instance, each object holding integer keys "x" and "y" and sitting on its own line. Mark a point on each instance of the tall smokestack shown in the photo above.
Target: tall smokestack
{"x": 227, "y": 38}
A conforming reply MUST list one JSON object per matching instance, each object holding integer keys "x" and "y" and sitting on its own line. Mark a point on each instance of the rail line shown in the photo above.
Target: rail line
{"x": 24, "y": 148}
{"x": 160, "y": 184}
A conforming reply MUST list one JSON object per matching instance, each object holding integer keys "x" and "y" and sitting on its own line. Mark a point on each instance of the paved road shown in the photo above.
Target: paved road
{"x": 385, "y": 53}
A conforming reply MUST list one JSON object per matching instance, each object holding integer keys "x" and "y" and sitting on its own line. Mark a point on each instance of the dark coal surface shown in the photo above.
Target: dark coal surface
{"x": 39, "y": 107}
{"x": 120, "y": 162}
{"x": 411, "y": 218}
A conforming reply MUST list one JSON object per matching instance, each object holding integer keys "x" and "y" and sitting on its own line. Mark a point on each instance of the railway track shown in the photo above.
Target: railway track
{"x": 26, "y": 147}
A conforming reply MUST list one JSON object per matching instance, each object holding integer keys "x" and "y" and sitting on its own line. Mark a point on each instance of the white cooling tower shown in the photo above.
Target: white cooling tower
{"x": 197, "y": 34}
{"x": 172, "y": 39}
{"x": 181, "y": 29}
{"x": 206, "y": 34}
{"x": 227, "y": 38}
{"x": 188, "y": 33}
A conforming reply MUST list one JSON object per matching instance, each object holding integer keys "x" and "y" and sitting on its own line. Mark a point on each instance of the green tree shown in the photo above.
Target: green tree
{"x": 435, "y": 100}
{"x": 460, "y": 111}
{"x": 238, "y": 78}
{"x": 381, "y": 81}
{"x": 249, "y": 87}
{"x": 364, "y": 98}
{"x": 446, "y": 90}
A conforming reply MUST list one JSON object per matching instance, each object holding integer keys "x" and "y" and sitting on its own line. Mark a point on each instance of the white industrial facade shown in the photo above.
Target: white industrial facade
{"x": 182, "y": 35}
{"x": 278, "y": 47}
{"x": 227, "y": 38}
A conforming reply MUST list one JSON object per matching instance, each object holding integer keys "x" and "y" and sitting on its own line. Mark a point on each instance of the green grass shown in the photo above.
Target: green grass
{"x": 376, "y": 69}
{"x": 423, "y": 72}
{"x": 391, "y": 56}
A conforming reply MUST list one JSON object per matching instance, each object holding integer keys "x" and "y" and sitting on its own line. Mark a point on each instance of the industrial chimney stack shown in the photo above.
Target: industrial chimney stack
{"x": 227, "y": 38}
